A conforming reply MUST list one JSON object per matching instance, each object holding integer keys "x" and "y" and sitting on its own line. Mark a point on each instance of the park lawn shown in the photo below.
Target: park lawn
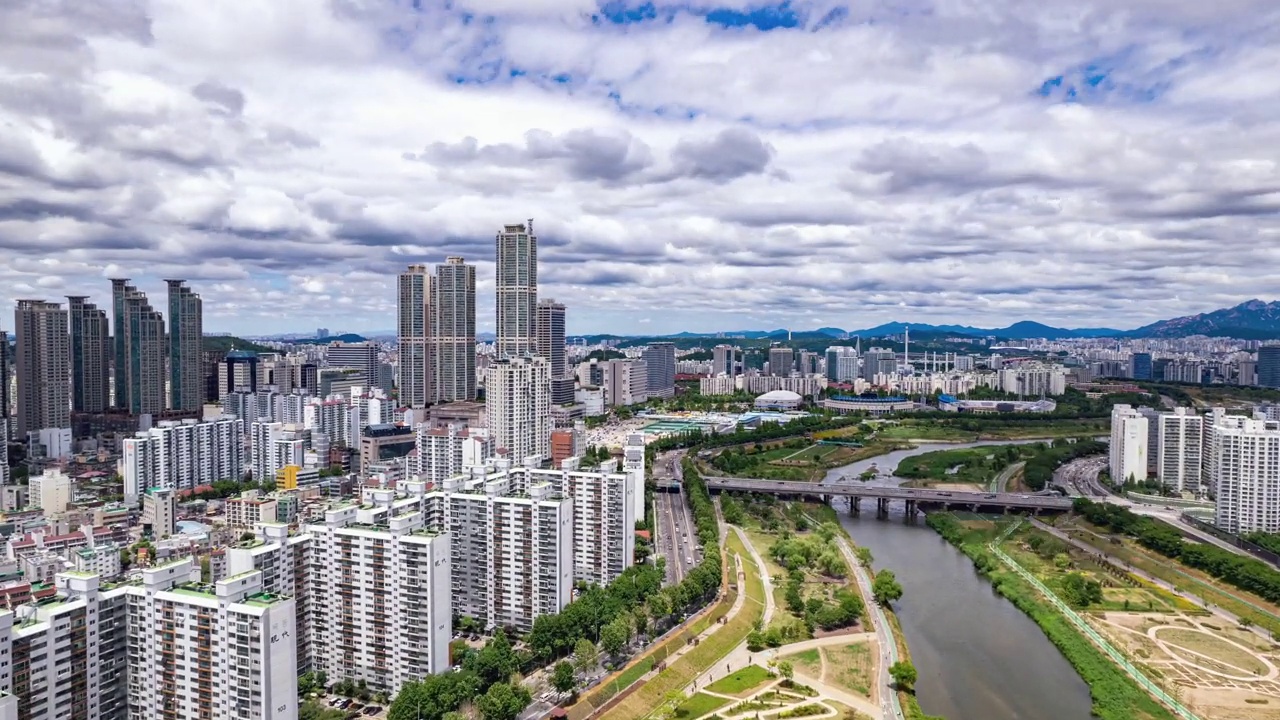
{"x": 813, "y": 453}
{"x": 806, "y": 662}
{"x": 851, "y": 667}
{"x": 698, "y": 705}
{"x": 742, "y": 682}
{"x": 971, "y": 465}
{"x": 1068, "y": 428}
{"x": 693, "y": 663}
{"x": 1186, "y": 579}
{"x": 913, "y": 431}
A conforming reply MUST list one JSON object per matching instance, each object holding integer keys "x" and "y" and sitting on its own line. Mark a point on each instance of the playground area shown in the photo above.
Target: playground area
{"x": 1220, "y": 671}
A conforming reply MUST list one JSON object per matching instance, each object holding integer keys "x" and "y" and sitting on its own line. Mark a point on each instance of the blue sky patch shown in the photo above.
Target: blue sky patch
{"x": 764, "y": 17}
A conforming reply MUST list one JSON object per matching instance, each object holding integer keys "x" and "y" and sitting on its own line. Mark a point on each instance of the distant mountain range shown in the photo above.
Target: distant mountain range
{"x": 1252, "y": 320}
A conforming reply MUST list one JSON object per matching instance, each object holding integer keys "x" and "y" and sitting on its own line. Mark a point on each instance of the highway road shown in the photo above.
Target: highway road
{"x": 676, "y": 537}
{"x": 784, "y": 487}
{"x": 1080, "y": 477}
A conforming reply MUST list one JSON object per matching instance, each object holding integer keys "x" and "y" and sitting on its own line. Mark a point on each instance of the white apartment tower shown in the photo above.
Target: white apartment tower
{"x": 1246, "y": 474}
{"x": 274, "y": 445}
{"x": 633, "y": 466}
{"x": 445, "y": 452}
{"x": 181, "y": 455}
{"x": 413, "y": 333}
{"x": 518, "y": 406}
{"x": 1181, "y": 450}
{"x": 516, "y": 285}
{"x": 604, "y": 519}
{"x": 285, "y": 564}
{"x": 626, "y": 382}
{"x": 385, "y": 577}
{"x": 1128, "y": 459}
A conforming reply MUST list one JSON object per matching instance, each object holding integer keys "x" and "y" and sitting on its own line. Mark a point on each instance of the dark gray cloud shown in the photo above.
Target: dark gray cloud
{"x": 731, "y": 154}
{"x": 229, "y": 99}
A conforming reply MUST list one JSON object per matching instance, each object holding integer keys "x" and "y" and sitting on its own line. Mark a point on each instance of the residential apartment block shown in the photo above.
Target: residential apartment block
{"x": 1245, "y": 473}
{"x": 442, "y": 453}
{"x": 182, "y": 455}
{"x": 1181, "y": 448}
{"x": 1128, "y": 459}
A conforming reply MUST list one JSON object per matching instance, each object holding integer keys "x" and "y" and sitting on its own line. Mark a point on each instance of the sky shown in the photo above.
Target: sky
{"x": 723, "y": 166}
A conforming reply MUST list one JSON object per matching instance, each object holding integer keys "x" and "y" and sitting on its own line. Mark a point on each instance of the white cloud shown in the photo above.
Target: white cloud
{"x": 890, "y": 165}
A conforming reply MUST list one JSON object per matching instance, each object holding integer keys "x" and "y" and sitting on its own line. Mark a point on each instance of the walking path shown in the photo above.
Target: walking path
{"x": 890, "y": 706}
{"x": 1084, "y": 627}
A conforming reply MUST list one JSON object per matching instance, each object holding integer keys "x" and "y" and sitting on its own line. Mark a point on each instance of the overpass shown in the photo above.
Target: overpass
{"x": 913, "y": 497}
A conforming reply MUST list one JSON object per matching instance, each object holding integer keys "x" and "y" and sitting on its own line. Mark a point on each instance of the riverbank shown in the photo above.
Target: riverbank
{"x": 1115, "y": 696}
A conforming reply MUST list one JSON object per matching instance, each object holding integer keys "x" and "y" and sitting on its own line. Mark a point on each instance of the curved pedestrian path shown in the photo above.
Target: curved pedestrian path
{"x": 1084, "y": 627}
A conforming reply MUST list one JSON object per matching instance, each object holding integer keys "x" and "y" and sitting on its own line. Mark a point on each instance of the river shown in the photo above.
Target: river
{"x": 978, "y": 656}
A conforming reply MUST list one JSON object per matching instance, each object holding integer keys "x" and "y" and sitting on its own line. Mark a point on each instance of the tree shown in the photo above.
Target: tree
{"x": 502, "y": 701}
{"x": 614, "y": 636}
{"x": 1080, "y": 591}
{"x": 659, "y": 607}
{"x": 432, "y": 697}
{"x": 562, "y": 678}
{"x": 784, "y": 668}
{"x": 864, "y": 556}
{"x": 585, "y": 655}
{"x": 886, "y": 588}
{"x": 903, "y": 674}
{"x": 495, "y": 663}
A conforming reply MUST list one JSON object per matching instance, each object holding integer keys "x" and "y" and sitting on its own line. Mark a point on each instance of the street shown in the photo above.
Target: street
{"x": 676, "y": 538}
{"x": 1080, "y": 477}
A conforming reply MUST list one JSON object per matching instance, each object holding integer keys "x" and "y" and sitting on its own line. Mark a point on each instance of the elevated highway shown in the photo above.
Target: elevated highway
{"x": 914, "y": 497}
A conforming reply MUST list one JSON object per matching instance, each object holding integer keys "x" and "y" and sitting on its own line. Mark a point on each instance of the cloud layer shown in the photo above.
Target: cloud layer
{"x": 687, "y": 167}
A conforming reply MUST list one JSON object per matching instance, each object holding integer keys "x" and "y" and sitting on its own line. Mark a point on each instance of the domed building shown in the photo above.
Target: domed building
{"x": 779, "y": 400}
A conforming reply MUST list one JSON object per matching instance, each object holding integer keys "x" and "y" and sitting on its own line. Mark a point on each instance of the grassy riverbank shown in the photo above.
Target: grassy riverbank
{"x": 1115, "y": 696}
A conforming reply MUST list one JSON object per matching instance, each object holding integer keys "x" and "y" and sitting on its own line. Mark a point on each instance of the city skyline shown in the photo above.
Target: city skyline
{"x": 1115, "y": 171}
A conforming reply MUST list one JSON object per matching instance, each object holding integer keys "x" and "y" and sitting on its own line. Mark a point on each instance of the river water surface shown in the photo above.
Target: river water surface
{"x": 978, "y": 656}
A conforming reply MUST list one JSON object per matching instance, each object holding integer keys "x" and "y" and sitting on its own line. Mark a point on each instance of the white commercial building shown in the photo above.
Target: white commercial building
{"x": 1246, "y": 474}
{"x": 518, "y": 406}
{"x": 381, "y": 584}
{"x": 182, "y": 455}
{"x": 633, "y": 466}
{"x": 626, "y": 382}
{"x": 250, "y": 509}
{"x": 50, "y": 491}
{"x": 1129, "y": 449}
{"x": 1181, "y": 450}
{"x": 160, "y": 511}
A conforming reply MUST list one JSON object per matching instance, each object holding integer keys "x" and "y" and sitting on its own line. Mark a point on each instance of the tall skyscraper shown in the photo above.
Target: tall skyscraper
{"x": 41, "y": 362}
{"x": 781, "y": 361}
{"x": 140, "y": 350}
{"x": 90, "y": 356}
{"x": 1128, "y": 459}
{"x": 1181, "y": 450}
{"x": 660, "y": 361}
{"x": 1140, "y": 366}
{"x": 1245, "y": 474}
{"x": 362, "y": 356}
{"x": 832, "y": 360}
{"x": 4, "y": 375}
{"x": 186, "y": 340}
{"x": 413, "y": 330}
{"x": 1269, "y": 366}
{"x": 453, "y": 331}
{"x": 518, "y": 406}
{"x": 516, "y": 283}
{"x": 550, "y": 345}
{"x": 724, "y": 360}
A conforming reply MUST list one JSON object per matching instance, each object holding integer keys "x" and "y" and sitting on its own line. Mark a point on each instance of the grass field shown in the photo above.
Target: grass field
{"x": 806, "y": 662}
{"x": 969, "y": 465}
{"x": 742, "y": 682}
{"x": 1189, "y": 580}
{"x": 680, "y": 673}
{"x": 698, "y": 705}
{"x": 850, "y": 667}
{"x": 913, "y": 431}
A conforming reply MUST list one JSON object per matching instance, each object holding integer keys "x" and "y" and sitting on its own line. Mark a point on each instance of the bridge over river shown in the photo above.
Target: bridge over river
{"x": 914, "y": 497}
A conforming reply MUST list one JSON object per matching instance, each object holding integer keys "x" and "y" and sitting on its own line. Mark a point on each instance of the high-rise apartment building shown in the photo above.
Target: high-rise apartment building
{"x": 625, "y": 382}
{"x": 1181, "y": 450}
{"x": 41, "y": 362}
{"x": 90, "y": 348}
{"x": 445, "y": 452}
{"x": 551, "y": 345}
{"x": 724, "y": 360}
{"x": 1245, "y": 474}
{"x": 273, "y": 445}
{"x": 140, "y": 351}
{"x": 518, "y": 406}
{"x": 453, "y": 332}
{"x": 516, "y": 285}
{"x": 182, "y": 455}
{"x": 1269, "y": 366}
{"x": 285, "y": 563}
{"x": 515, "y": 555}
{"x": 186, "y": 341}
{"x": 413, "y": 331}
{"x": 879, "y": 361}
{"x": 660, "y": 369}
{"x": 384, "y": 578}
{"x": 1128, "y": 460}
{"x": 604, "y": 520}
{"x": 781, "y": 361}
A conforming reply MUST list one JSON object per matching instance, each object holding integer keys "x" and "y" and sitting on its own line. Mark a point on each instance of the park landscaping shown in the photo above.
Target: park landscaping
{"x": 742, "y": 682}
{"x": 797, "y": 459}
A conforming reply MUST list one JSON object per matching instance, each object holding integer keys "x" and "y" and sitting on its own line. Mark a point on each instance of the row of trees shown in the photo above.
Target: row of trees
{"x": 1243, "y": 572}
